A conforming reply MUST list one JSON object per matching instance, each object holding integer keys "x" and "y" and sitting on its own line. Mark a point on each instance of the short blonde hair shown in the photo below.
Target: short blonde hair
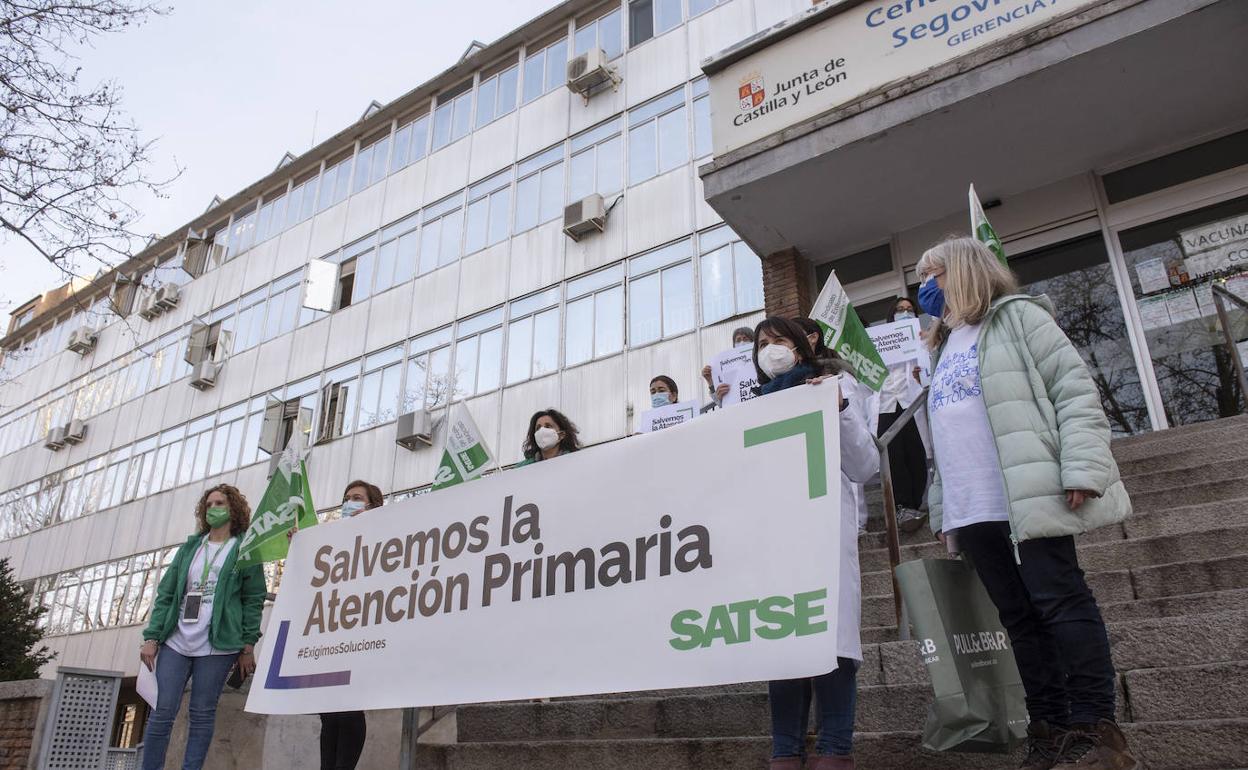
{"x": 974, "y": 277}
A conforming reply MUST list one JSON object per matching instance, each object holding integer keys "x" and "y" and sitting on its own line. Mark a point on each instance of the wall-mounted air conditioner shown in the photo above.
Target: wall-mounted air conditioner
{"x": 167, "y": 296}
{"x": 587, "y": 215}
{"x": 415, "y": 429}
{"x": 204, "y": 375}
{"x": 75, "y": 432}
{"x": 589, "y": 72}
{"x": 82, "y": 341}
{"x": 55, "y": 439}
{"x": 148, "y": 309}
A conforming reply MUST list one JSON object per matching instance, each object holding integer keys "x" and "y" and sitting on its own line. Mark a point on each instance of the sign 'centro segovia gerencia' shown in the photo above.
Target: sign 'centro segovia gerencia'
{"x": 854, "y": 53}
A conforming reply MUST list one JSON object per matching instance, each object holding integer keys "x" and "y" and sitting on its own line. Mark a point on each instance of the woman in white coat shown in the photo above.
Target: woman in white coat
{"x": 784, "y": 358}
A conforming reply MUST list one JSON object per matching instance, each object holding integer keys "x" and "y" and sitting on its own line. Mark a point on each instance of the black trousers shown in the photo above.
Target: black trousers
{"x": 342, "y": 739}
{"x": 1056, "y": 628}
{"x": 907, "y": 461}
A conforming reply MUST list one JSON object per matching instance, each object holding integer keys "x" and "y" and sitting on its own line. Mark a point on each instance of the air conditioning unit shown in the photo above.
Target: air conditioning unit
{"x": 83, "y": 340}
{"x": 167, "y": 296}
{"x": 415, "y": 429}
{"x": 55, "y": 439}
{"x": 75, "y": 432}
{"x": 589, "y": 72}
{"x": 585, "y": 216}
{"x": 148, "y": 309}
{"x": 204, "y": 375}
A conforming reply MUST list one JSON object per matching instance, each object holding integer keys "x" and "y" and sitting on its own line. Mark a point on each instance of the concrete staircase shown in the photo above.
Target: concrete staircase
{"x": 1172, "y": 582}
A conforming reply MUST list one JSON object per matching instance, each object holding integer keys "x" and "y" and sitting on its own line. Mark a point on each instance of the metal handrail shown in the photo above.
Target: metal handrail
{"x": 1220, "y": 295}
{"x": 890, "y": 508}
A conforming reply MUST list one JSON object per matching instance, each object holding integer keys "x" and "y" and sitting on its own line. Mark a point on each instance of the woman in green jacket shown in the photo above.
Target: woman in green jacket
{"x": 206, "y": 619}
{"x": 1023, "y": 464}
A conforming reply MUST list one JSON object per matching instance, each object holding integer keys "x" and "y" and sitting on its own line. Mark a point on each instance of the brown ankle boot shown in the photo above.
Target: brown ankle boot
{"x": 1101, "y": 746}
{"x": 833, "y": 762}
{"x": 1044, "y": 742}
{"x": 786, "y": 763}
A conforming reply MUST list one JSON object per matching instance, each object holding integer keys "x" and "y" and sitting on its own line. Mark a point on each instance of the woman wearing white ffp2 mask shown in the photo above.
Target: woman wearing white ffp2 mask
{"x": 550, "y": 434}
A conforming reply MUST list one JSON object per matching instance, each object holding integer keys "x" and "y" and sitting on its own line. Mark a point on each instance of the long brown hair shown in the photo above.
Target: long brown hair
{"x": 240, "y": 509}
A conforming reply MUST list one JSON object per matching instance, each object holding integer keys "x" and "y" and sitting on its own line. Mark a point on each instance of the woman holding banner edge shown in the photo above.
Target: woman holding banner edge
{"x": 204, "y": 621}
{"x": 784, "y": 358}
{"x": 1023, "y": 463}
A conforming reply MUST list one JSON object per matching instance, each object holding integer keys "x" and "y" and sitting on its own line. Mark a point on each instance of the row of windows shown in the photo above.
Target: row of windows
{"x": 657, "y": 137}
{"x": 640, "y": 300}
{"x": 115, "y": 593}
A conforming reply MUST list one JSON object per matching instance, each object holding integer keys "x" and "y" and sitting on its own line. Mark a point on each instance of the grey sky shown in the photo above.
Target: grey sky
{"x": 227, "y": 87}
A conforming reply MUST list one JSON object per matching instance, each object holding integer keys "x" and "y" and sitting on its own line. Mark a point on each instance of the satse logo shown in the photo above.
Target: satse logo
{"x": 751, "y": 92}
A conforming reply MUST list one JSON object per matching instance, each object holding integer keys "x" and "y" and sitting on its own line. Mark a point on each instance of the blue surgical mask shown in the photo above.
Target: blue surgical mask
{"x": 902, "y": 315}
{"x": 932, "y": 298}
{"x": 351, "y": 507}
{"x": 662, "y": 398}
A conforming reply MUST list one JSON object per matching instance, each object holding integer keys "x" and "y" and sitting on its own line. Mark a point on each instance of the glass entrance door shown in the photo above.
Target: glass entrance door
{"x": 1172, "y": 263}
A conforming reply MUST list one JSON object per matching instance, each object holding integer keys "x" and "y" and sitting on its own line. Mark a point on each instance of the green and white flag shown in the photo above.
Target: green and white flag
{"x": 287, "y": 501}
{"x": 465, "y": 455}
{"x": 843, "y": 332}
{"x": 982, "y": 230}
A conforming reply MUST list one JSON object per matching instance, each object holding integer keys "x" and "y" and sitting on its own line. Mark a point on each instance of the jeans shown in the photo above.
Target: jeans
{"x": 907, "y": 461}
{"x": 1051, "y": 616}
{"x": 836, "y": 694}
{"x": 207, "y": 675}
{"x": 342, "y": 739}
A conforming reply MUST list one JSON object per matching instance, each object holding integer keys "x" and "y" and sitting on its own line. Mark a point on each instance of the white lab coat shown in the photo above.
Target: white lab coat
{"x": 860, "y": 462}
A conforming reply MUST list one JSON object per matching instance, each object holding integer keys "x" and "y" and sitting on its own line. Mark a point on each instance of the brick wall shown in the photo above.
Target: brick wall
{"x": 786, "y": 284}
{"x": 17, "y": 730}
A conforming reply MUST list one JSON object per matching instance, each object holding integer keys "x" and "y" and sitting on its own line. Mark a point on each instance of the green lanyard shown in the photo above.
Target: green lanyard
{"x": 208, "y": 565}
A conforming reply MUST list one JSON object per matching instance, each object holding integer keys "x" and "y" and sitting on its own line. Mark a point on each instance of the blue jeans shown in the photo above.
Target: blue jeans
{"x": 207, "y": 675}
{"x": 836, "y": 694}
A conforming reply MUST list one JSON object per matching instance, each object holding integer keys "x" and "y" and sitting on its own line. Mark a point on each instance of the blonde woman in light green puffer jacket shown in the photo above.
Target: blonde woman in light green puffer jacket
{"x": 1023, "y": 463}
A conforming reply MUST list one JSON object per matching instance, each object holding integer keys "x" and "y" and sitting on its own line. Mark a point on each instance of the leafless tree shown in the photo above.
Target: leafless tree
{"x": 71, "y": 163}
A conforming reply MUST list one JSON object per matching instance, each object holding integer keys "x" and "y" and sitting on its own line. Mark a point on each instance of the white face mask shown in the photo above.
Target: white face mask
{"x": 546, "y": 437}
{"x": 902, "y": 315}
{"x": 776, "y": 359}
{"x": 351, "y": 507}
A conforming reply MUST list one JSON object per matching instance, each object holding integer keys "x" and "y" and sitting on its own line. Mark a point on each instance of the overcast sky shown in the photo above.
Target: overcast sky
{"x": 226, "y": 87}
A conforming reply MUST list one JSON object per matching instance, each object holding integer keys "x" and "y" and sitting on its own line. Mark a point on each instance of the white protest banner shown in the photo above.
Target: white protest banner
{"x": 899, "y": 343}
{"x": 666, "y": 416}
{"x": 635, "y": 565}
{"x": 735, "y": 368}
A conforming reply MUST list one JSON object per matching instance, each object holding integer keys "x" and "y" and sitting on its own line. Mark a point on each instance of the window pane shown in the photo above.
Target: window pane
{"x": 414, "y": 387}
{"x": 581, "y": 175}
{"x": 666, "y": 15}
{"x": 442, "y": 124}
{"x": 500, "y": 215}
{"x": 749, "y": 278}
{"x": 609, "y": 321}
{"x": 645, "y": 324}
{"x": 586, "y": 38}
{"x": 370, "y": 388}
{"x": 491, "y": 360}
{"x": 463, "y": 116}
{"x": 552, "y": 193}
{"x": 405, "y": 261}
{"x": 610, "y": 36}
{"x": 202, "y": 454}
{"x": 673, "y": 140}
{"x": 702, "y": 127}
{"x": 440, "y": 384}
{"x": 343, "y": 181}
{"x": 557, "y": 64}
{"x": 466, "y": 367}
{"x": 507, "y": 81}
{"x": 402, "y": 146}
{"x": 519, "y": 349}
{"x": 388, "y": 400}
{"x": 698, "y": 6}
{"x": 642, "y": 153}
{"x": 611, "y": 166}
{"x": 579, "y": 338}
{"x": 487, "y": 98}
{"x": 430, "y": 236}
{"x": 678, "y": 299}
{"x": 420, "y": 137}
{"x": 527, "y": 199}
{"x": 717, "y": 291}
{"x": 235, "y": 442}
{"x": 363, "y": 167}
{"x": 474, "y": 234}
{"x": 534, "y": 76}
{"x": 546, "y": 342}
{"x": 363, "y": 284}
{"x": 448, "y": 248}
{"x": 385, "y": 266}
{"x": 640, "y": 21}
{"x": 381, "y": 152}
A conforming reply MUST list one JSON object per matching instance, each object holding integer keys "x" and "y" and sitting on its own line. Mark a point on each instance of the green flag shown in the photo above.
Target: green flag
{"x": 843, "y": 332}
{"x": 981, "y": 229}
{"x": 287, "y": 501}
{"x": 464, "y": 455}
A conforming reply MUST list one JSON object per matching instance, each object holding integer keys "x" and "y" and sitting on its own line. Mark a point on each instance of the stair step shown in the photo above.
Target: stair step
{"x": 1222, "y": 448}
{"x": 1215, "y": 470}
{"x": 1213, "y": 744}
{"x": 1209, "y": 691}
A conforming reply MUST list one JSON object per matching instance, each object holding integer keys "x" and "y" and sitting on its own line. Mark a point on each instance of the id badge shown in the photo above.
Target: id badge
{"x": 190, "y": 609}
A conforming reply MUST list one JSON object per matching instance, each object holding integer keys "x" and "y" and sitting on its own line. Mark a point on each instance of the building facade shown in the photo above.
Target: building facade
{"x": 416, "y": 258}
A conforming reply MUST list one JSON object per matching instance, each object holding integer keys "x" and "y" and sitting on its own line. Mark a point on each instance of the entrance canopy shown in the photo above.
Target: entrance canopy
{"x": 1107, "y": 85}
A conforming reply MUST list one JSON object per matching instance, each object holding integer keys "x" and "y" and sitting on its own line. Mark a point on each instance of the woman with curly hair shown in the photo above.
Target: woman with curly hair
{"x": 206, "y": 618}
